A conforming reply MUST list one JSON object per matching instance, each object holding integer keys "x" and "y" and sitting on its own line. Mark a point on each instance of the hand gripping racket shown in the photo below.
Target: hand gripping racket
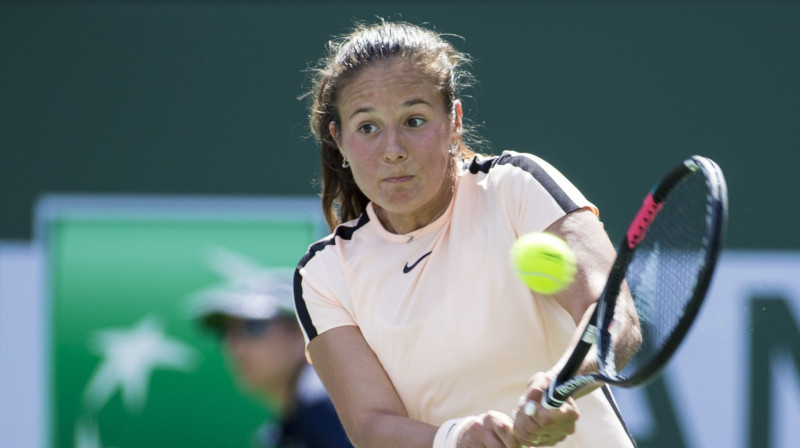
{"x": 666, "y": 260}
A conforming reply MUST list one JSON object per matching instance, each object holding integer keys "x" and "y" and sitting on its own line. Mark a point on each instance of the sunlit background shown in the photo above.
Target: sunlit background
{"x": 141, "y": 139}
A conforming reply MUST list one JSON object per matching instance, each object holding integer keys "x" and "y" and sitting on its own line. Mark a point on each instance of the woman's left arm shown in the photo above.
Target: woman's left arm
{"x": 585, "y": 235}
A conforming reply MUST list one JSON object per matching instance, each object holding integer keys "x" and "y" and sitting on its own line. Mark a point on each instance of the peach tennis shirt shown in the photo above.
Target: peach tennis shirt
{"x": 441, "y": 307}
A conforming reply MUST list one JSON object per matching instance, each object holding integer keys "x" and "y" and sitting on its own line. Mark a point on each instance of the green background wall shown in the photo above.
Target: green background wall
{"x": 180, "y": 97}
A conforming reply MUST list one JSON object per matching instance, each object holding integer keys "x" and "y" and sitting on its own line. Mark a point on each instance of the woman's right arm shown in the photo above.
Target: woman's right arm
{"x": 365, "y": 399}
{"x": 368, "y": 405}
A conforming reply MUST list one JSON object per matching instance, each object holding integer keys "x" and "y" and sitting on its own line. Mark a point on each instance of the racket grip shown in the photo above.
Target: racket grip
{"x": 552, "y": 399}
{"x": 557, "y": 394}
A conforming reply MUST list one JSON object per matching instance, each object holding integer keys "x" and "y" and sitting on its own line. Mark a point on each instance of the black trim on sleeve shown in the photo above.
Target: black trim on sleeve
{"x": 534, "y": 169}
{"x": 481, "y": 166}
{"x": 343, "y": 232}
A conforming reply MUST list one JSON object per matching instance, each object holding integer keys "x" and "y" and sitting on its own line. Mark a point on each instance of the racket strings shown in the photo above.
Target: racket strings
{"x": 666, "y": 268}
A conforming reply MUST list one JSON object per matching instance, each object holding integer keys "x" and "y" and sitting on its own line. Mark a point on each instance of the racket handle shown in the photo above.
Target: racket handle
{"x": 557, "y": 394}
{"x": 552, "y": 399}
{"x": 565, "y": 383}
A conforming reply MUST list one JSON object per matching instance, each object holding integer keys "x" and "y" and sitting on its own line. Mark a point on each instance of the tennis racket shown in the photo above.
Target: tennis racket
{"x": 666, "y": 259}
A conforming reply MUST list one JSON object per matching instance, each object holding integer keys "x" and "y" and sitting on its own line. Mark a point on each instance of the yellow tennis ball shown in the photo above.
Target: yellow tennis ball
{"x": 543, "y": 261}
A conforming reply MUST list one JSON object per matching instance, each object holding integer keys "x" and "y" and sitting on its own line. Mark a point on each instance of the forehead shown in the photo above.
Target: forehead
{"x": 388, "y": 82}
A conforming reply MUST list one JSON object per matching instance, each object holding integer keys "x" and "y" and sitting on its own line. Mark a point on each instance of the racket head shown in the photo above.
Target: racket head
{"x": 666, "y": 261}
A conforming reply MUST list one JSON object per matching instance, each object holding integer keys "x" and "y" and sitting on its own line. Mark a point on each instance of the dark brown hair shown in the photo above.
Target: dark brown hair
{"x": 427, "y": 51}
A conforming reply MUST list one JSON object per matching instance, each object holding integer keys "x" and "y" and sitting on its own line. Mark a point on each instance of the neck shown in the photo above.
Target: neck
{"x": 405, "y": 223}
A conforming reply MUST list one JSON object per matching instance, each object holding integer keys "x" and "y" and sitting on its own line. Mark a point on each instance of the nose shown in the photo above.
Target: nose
{"x": 394, "y": 150}
{"x": 235, "y": 345}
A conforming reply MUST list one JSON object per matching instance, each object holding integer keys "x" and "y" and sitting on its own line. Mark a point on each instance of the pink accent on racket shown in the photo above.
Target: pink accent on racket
{"x": 641, "y": 222}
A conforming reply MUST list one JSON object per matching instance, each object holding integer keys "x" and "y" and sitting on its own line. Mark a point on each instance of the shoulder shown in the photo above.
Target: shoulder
{"x": 343, "y": 232}
{"x": 510, "y": 163}
{"x": 515, "y": 175}
{"x": 321, "y": 292}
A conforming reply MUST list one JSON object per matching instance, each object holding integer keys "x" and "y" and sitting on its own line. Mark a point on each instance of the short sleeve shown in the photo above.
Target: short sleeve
{"x": 534, "y": 193}
{"x": 320, "y": 292}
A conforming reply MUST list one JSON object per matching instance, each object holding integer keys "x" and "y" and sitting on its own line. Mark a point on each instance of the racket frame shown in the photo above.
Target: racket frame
{"x": 595, "y": 333}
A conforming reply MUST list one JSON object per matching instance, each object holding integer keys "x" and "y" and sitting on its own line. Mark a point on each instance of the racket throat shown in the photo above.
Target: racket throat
{"x": 590, "y": 335}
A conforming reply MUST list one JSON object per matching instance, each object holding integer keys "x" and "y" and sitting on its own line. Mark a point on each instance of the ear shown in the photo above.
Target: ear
{"x": 458, "y": 116}
{"x": 333, "y": 128}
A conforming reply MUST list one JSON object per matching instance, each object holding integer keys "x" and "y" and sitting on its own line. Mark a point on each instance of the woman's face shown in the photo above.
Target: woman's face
{"x": 265, "y": 354}
{"x": 396, "y": 133}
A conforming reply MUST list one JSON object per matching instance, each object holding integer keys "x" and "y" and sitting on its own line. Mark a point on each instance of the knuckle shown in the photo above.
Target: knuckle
{"x": 520, "y": 434}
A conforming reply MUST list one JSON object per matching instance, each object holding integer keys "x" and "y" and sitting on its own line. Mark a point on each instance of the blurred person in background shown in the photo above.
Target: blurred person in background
{"x": 264, "y": 346}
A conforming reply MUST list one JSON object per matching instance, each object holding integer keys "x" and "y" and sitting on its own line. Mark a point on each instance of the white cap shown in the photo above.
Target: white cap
{"x": 266, "y": 301}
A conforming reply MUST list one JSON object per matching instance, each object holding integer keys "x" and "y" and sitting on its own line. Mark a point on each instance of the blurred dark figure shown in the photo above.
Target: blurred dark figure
{"x": 264, "y": 345}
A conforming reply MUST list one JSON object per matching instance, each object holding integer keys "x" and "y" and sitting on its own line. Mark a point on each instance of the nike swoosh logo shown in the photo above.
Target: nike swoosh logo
{"x": 407, "y": 268}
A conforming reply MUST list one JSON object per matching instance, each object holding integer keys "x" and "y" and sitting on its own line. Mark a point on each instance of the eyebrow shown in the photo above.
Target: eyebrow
{"x": 406, "y": 104}
{"x": 415, "y": 101}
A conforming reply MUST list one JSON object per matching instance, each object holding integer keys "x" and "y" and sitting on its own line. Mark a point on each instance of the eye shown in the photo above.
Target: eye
{"x": 415, "y": 122}
{"x": 367, "y": 128}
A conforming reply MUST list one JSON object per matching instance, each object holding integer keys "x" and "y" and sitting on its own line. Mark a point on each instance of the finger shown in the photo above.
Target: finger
{"x": 547, "y": 440}
{"x": 539, "y": 426}
{"x": 525, "y": 424}
{"x": 536, "y": 391}
{"x": 503, "y": 428}
{"x": 490, "y": 430}
{"x": 526, "y": 408}
{"x": 542, "y": 417}
{"x": 505, "y": 434}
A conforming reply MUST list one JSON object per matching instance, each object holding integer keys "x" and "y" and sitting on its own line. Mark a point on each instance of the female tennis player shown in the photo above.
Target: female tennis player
{"x": 412, "y": 314}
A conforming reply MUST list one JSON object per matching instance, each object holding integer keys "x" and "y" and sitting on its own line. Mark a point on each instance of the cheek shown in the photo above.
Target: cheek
{"x": 363, "y": 159}
{"x": 439, "y": 140}
{"x": 354, "y": 148}
{"x": 437, "y": 151}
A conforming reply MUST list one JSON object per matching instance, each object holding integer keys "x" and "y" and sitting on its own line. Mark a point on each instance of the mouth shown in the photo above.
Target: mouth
{"x": 397, "y": 179}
